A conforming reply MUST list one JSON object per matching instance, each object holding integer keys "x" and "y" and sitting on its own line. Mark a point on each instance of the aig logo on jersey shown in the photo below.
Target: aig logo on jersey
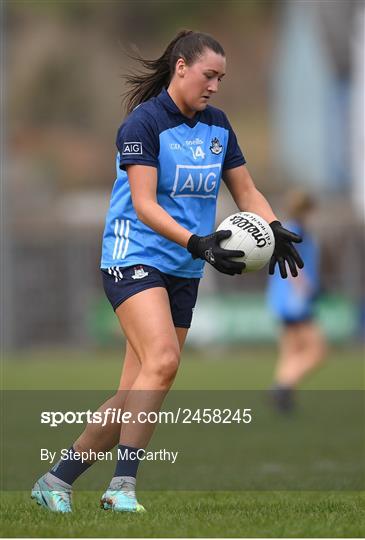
{"x": 196, "y": 181}
{"x": 132, "y": 149}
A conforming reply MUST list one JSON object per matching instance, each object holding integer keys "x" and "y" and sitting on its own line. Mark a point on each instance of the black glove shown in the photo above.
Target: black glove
{"x": 208, "y": 249}
{"x": 285, "y": 251}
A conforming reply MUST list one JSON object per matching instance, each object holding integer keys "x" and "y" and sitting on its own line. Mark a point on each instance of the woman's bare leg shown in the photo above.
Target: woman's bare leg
{"x": 147, "y": 323}
{"x": 302, "y": 349}
{"x": 102, "y": 438}
{"x": 98, "y": 438}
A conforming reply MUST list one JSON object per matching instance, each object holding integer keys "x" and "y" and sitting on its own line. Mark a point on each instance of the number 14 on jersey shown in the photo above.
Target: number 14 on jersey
{"x": 197, "y": 152}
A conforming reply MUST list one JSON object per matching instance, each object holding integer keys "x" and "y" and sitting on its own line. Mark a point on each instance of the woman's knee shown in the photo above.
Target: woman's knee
{"x": 163, "y": 362}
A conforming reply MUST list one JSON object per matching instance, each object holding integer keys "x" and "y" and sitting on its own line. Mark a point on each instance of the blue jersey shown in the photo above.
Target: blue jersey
{"x": 292, "y": 299}
{"x": 189, "y": 155}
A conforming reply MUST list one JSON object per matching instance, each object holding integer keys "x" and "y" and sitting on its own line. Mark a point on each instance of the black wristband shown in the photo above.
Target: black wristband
{"x": 192, "y": 245}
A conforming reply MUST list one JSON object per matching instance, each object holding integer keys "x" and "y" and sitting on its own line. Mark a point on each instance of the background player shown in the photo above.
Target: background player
{"x": 173, "y": 149}
{"x": 302, "y": 345}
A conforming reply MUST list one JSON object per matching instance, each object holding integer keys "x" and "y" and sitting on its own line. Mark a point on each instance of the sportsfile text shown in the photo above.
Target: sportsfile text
{"x": 182, "y": 415}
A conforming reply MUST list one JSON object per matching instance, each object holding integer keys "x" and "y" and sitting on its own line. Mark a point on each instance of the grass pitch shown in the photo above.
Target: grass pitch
{"x": 246, "y": 368}
{"x": 198, "y": 514}
{"x": 187, "y": 514}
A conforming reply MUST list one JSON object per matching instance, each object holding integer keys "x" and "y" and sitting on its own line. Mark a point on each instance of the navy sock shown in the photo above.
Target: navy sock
{"x": 69, "y": 469}
{"x": 282, "y": 397}
{"x": 127, "y": 461}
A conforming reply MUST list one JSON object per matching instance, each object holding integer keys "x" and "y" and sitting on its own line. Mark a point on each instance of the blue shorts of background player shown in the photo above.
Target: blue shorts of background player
{"x": 292, "y": 321}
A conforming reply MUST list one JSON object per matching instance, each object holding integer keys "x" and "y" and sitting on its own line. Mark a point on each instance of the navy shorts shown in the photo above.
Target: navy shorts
{"x": 122, "y": 283}
{"x": 292, "y": 321}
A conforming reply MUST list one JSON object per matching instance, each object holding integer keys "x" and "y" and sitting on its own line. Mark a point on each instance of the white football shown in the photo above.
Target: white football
{"x": 251, "y": 234}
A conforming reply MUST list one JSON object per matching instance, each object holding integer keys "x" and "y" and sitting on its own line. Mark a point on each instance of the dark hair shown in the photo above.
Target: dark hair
{"x": 186, "y": 44}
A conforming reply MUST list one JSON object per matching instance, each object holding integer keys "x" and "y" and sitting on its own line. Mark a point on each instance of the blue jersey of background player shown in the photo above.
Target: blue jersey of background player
{"x": 190, "y": 158}
{"x": 292, "y": 300}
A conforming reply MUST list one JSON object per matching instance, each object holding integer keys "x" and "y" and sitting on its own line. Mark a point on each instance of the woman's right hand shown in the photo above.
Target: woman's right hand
{"x": 208, "y": 248}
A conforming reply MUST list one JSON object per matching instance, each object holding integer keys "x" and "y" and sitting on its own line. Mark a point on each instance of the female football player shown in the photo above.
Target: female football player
{"x": 173, "y": 150}
{"x": 302, "y": 346}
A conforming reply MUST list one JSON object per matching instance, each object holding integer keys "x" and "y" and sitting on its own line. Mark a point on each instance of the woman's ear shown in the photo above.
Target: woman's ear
{"x": 180, "y": 67}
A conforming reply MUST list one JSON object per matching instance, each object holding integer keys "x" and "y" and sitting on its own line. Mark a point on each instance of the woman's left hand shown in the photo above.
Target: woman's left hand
{"x": 284, "y": 251}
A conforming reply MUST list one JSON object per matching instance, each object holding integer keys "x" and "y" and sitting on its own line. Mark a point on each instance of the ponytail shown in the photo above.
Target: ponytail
{"x": 144, "y": 85}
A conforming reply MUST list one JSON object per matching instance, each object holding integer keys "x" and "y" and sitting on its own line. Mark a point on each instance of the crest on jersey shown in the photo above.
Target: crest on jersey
{"x": 139, "y": 272}
{"x": 216, "y": 147}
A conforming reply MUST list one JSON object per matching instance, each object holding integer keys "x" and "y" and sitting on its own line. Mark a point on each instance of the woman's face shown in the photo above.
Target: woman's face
{"x": 198, "y": 82}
